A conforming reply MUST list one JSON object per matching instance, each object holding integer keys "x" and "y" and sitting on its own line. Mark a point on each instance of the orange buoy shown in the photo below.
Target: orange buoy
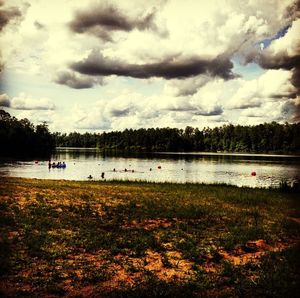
{"x": 253, "y": 173}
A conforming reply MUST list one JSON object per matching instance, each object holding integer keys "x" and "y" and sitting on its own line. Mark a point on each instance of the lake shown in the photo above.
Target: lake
{"x": 200, "y": 167}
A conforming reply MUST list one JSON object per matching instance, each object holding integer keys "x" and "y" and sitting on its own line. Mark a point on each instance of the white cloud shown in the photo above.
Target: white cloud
{"x": 272, "y": 85}
{"x": 126, "y": 104}
{"x": 276, "y": 83}
{"x": 37, "y": 118}
{"x": 27, "y": 102}
{"x": 273, "y": 111}
{"x": 90, "y": 119}
{"x": 189, "y": 86}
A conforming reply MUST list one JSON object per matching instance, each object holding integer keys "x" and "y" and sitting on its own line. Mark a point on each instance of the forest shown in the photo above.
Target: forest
{"x": 262, "y": 138}
{"x": 22, "y": 138}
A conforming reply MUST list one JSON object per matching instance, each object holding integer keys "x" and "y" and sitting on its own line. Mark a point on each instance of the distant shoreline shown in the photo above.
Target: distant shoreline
{"x": 181, "y": 153}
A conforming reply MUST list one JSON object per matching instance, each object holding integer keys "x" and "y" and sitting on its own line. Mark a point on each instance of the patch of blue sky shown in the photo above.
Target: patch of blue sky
{"x": 266, "y": 42}
{"x": 247, "y": 72}
{"x": 253, "y": 70}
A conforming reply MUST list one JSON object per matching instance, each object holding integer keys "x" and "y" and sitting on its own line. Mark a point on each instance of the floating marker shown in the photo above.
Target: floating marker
{"x": 253, "y": 173}
{"x": 159, "y": 167}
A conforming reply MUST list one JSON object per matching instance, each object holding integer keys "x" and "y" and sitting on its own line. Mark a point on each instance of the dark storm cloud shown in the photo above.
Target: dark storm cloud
{"x": 115, "y": 112}
{"x": 96, "y": 65}
{"x": 71, "y": 80}
{"x": 101, "y": 20}
{"x": 218, "y": 110}
{"x": 194, "y": 110}
{"x": 4, "y": 101}
{"x": 279, "y": 61}
{"x": 296, "y": 78}
{"x": 7, "y": 14}
{"x": 183, "y": 108}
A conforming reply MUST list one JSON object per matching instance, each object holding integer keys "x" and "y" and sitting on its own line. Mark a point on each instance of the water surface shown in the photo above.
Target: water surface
{"x": 200, "y": 167}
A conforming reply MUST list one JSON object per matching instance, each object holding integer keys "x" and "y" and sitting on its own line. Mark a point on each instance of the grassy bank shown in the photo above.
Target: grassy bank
{"x": 133, "y": 239}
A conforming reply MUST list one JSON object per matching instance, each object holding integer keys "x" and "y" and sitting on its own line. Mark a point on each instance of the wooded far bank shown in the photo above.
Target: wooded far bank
{"x": 263, "y": 138}
{"x": 21, "y": 137}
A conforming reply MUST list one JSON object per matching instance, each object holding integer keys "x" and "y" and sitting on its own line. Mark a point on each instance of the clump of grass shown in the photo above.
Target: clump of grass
{"x": 285, "y": 186}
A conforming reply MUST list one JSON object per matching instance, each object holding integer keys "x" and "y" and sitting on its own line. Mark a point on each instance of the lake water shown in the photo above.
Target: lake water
{"x": 159, "y": 167}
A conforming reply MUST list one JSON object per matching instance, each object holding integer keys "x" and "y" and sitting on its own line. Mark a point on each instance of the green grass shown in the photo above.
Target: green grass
{"x": 74, "y": 238}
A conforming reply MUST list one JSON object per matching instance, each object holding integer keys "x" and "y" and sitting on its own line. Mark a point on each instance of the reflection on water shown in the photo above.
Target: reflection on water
{"x": 174, "y": 167}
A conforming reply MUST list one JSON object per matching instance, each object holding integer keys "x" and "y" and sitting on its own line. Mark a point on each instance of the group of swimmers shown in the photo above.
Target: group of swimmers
{"x": 60, "y": 165}
{"x": 114, "y": 170}
{"x": 125, "y": 170}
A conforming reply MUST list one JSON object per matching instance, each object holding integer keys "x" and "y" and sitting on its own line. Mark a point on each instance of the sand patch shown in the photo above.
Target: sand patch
{"x": 149, "y": 224}
{"x": 251, "y": 252}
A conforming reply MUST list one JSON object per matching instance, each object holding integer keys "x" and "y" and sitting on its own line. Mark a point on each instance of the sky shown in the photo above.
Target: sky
{"x": 110, "y": 65}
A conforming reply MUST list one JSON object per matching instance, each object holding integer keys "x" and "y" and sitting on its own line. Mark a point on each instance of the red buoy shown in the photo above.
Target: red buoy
{"x": 253, "y": 173}
{"x": 159, "y": 167}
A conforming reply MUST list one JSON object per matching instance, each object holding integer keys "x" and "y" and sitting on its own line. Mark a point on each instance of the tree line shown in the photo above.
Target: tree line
{"x": 22, "y": 138}
{"x": 262, "y": 138}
